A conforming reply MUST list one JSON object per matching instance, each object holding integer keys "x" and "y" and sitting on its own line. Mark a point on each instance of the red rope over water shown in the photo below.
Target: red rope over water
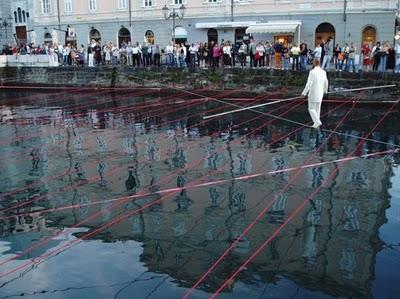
{"x": 294, "y": 214}
{"x": 201, "y": 185}
{"x": 164, "y": 123}
{"x": 117, "y": 220}
{"x": 95, "y": 176}
{"x": 259, "y": 216}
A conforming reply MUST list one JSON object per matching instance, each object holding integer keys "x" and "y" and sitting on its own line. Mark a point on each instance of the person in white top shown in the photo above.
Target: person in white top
{"x": 318, "y": 52}
{"x": 397, "y": 53}
{"x": 317, "y": 85}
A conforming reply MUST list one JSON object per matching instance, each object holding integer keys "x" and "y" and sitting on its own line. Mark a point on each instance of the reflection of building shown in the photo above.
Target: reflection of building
{"x": 207, "y": 20}
{"x": 329, "y": 247}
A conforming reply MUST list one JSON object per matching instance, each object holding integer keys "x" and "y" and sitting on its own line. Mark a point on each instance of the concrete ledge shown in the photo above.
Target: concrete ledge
{"x": 28, "y": 61}
{"x": 252, "y": 81}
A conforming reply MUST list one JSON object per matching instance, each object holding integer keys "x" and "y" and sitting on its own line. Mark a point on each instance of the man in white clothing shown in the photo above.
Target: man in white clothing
{"x": 317, "y": 85}
{"x": 318, "y": 52}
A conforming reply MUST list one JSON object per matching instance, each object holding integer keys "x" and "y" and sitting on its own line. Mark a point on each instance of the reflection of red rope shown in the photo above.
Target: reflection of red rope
{"x": 62, "y": 174}
{"x": 117, "y": 220}
{"x": 201, "y": 185}
{"x": 88, "y": 103}
{"x": 261, "y": 214}
{"x": 95, "y": 176}
{"x": 291, "y": 217}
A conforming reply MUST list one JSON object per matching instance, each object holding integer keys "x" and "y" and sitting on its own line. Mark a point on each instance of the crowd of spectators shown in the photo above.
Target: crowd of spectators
{"x": 380, "y": 57}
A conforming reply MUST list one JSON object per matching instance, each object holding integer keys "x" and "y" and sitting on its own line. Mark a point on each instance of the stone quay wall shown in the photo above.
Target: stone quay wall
{"x": 246, "y": 81}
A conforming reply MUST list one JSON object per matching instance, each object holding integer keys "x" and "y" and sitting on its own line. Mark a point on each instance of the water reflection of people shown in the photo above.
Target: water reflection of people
{"x": 131, "y": 182}
{"x": 183, "y": 201}
{"x": 35, "y": 161}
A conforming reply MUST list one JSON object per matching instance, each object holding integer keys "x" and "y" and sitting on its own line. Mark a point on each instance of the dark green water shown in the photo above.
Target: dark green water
{"x": 90, "y": 206}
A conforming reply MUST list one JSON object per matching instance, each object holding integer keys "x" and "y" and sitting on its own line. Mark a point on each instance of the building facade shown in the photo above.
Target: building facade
{"x": 5, "y": 23}
{"x": 119, "y": 21}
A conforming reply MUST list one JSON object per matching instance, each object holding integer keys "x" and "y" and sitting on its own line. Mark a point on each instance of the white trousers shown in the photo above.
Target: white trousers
{"x": 90, "y": 63}
{"x": 314, "y": 108}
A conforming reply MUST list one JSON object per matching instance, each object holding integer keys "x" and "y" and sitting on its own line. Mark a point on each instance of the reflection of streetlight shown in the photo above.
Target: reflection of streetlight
{"x": 175, "y": 13}
{"x": 6, "y": 23}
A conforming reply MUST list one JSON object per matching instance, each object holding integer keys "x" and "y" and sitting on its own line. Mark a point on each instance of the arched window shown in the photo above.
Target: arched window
{"x": 19, "y": 15}
{"x": 212, "y": 36}
{"x": 149, "y": 36}
{"x": 369, "y": 35}
{"x": 48, "y": 38}
{"x": 124, "y": 36}
{"x": 24, "y": 16}
{"x": 94, "y": 35}
{"x": 323, "y": 32}
{"x": 15, "y": 17}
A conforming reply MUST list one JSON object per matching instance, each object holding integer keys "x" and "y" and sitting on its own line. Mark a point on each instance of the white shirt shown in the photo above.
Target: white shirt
{"x": 169, "y": 49}
{"x": 193, "y": 49}
{"x": 135, "y": 50}
{"x": 226, "y": 50}
{"x": 318, "y": 52}
{"x": 317, "y": 85}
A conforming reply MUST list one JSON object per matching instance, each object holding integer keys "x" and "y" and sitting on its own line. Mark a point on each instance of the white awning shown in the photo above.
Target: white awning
{"x": 217, "y": 25}
{"x": 180, "y": 32}
{"x": 274, "y": 27}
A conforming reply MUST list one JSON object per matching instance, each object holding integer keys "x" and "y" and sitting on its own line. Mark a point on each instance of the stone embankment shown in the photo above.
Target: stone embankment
{"x": 246, "y": 81}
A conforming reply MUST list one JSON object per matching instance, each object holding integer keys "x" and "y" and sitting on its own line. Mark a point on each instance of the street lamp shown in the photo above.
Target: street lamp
{"x": 6, "y": 23}
{"x": 173, "y": 14}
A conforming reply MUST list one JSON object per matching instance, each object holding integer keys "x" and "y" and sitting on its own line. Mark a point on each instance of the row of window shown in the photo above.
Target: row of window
{"x": 122, "y": 4}
{"x": 20, "y": 16}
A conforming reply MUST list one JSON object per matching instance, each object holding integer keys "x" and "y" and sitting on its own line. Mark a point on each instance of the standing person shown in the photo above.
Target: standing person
{"x": 97, "y": 53}
{"x": 366, "y": 51}
{"x": 216, "y": 54}
{"x": 318, "y": 52}
{"x": 397, "y": 53}
{"x": 243, "y": 54}
{"x": 107, "y": 53}
{"x": 201, "y": 55}
{"x": 252, "y": 52}
{"x": 384, "y": 51}
{"x": 336, "y": 53}
{"x": 157, "y": 55}
{"x": 286, "y": 56}
{"x": 278, "y": 49}
{"x": 295, "y": 52}
{"x": 90, "y": 52}
{"x": 115, "y": 55}
{"x": 322, "y": 52}
{"x": 234, "y": 52}
{"x": 391, "y": 59}
{"x": 193, "y": 50}
{"x": 326, "y": 62}
{"x": 136, "y": 55}
{"x": 211, "y": 53}
{"x": 268, "y": 54}
{"x": 169, "y": 50}
{"x": 376, "y": 52}
{"x": 303, "y": 56}
{"x": 317, "y": 85}
{"x": 350, "y": 60}
{"x": 129, "y": 53}
{"x": 227, "y": 55}
{"x": 259, "y": 57}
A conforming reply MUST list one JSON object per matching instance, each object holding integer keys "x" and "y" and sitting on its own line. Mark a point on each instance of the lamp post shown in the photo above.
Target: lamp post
{"x": 173, "y": 14}
{"x": 6, "y": 23}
